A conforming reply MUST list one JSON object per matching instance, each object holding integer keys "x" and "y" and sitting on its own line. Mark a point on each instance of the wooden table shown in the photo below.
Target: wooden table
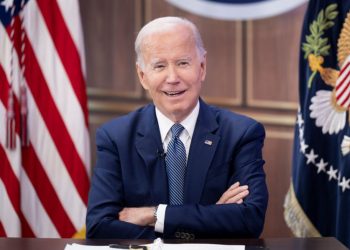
{"x": 251, "y": 244}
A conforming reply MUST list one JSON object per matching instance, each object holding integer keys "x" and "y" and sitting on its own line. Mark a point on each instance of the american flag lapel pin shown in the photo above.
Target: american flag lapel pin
{"x": 208, "y": 142}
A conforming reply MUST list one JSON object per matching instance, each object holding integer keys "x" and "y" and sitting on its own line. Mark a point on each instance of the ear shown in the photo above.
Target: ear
{"x": 141, "y": 74}
{"x": 204, "y": 67}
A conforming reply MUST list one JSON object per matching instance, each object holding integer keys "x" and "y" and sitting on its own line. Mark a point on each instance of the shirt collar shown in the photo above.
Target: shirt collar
{"x": 188, "y": 123}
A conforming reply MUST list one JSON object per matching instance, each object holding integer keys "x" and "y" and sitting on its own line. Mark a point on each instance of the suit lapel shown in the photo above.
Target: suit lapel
{"x": 202, "y": 150}
{"x": 148, "y": 145}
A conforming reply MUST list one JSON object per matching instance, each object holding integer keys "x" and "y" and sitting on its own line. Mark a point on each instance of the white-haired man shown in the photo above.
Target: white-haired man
{"x": 177, "y": 168}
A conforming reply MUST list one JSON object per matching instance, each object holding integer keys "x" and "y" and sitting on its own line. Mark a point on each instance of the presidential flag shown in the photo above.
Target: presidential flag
{"x": 44, "y": 137}
{"x": 237, "y": 9}
{"x": 318, "y": 201}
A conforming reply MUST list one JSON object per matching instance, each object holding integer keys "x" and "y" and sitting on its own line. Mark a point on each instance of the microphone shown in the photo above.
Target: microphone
{"x": 161, "y": 153}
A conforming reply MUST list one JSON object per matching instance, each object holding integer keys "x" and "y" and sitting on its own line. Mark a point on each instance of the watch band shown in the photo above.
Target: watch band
{"x": 155, "y": 213}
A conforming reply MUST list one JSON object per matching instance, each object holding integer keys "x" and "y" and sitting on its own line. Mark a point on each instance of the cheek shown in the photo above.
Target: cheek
{"x": 196, "y": 75}
{"x": 150, "y": 83}
{"x": 155, "y": 87}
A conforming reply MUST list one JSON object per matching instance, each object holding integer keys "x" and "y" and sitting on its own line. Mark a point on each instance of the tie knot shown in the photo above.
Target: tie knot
{"x": 176, "y": 129}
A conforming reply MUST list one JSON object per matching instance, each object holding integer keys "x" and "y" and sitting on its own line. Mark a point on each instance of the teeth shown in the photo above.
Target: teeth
{"x": 173, "y": 93}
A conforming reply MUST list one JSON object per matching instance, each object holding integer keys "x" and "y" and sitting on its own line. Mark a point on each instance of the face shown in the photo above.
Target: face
{"x": 173, "y": 71}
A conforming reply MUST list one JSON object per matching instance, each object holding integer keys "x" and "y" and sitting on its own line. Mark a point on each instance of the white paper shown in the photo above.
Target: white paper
{"x": 75, "y": 246}
{"x": 193, "y": 246}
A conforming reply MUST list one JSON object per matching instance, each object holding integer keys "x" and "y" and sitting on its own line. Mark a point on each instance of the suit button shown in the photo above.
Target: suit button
{"x": 192, "y": 237}
{"x": 182, "y": 235}
{"x": 177, "y": 235}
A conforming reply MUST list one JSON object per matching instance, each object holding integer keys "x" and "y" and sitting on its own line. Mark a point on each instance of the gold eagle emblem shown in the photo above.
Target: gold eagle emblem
{"x": 325, "y": 107}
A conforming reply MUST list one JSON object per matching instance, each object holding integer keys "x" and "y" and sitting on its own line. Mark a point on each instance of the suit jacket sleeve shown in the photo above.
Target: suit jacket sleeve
{"x": 229, "y": 220}
{"x": 106, "y": 196}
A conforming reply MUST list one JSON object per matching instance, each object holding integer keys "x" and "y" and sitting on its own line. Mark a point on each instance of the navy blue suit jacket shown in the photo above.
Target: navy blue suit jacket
{"x": 130, "y": 172}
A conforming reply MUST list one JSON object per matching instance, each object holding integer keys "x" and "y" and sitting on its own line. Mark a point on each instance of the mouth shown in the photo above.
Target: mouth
{"x": 174, "y": 93}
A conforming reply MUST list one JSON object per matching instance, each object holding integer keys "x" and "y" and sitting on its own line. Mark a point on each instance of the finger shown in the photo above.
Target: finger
{"x": 231, "y": 191}
{"x": 233, "y": 186}
{"x": 223, "y": 198}
{"x": 123, "y": 214}
{"x": 234, "y": 195}
{"x": 237, "y": 197}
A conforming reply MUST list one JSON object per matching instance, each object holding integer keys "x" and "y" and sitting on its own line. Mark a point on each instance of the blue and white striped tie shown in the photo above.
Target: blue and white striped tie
{"x": 176, "y": 166}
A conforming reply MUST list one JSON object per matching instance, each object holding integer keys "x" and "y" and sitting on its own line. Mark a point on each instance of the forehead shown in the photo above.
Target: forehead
{"x": 174, "y": 41}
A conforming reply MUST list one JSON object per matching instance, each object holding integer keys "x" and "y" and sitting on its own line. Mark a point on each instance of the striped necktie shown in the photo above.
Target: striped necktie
{"x": 176, "y": 166}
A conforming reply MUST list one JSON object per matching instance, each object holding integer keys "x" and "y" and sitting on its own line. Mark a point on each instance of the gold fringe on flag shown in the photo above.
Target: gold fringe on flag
{"x": 295, "y": 217}
{"x": 80, "y": 234}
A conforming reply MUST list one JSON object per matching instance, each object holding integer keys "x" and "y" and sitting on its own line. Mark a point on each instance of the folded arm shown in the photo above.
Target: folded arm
{"x": 233, "y": 219}
{"x": 144, "y": 216}
{"x": 236, "y": 214}
{"x": 106, "y": 197}
{"x": 239, "y": 212}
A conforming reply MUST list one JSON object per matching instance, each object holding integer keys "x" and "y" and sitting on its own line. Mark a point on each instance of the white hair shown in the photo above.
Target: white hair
{"x": 162, "y": 24}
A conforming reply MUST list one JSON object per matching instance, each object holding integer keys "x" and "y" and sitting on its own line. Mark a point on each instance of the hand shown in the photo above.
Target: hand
{"x": 142, "y": 216}
{"x": 234, "y": 194}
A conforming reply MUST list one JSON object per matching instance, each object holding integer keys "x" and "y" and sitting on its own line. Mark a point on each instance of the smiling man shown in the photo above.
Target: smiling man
{"x": 172, "y": 69}
{"x": 177, "y": 168}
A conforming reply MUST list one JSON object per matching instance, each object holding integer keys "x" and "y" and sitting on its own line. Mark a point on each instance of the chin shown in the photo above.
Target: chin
{"x": 181, "y": 114}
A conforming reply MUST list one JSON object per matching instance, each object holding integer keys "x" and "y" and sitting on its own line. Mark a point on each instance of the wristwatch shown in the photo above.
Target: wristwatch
{"x": 155, "y": 213}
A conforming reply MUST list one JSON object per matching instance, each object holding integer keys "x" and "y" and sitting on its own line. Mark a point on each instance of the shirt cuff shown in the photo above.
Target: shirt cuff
{"x": 159, "y": 226}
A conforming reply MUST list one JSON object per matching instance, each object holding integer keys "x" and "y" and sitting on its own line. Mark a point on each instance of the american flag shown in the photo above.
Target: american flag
{"x": 342, "y": 87}
{"x": 44, "y": 181}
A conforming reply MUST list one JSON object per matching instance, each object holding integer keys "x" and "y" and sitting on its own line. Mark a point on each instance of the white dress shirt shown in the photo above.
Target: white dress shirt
{"x": 165, "y": 125}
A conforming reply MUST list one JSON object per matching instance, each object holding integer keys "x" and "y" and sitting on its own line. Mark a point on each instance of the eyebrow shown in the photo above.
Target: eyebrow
{"x": 185, "y": 58}
{"x": 156, "y": 61}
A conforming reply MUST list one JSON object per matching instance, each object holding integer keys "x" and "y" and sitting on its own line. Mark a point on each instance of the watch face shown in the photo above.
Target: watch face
{"x": 155, "y": 212}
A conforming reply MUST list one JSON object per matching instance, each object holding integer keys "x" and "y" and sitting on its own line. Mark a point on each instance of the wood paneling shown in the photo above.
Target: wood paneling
{"x": 278, "y": 157}
{"x": 109, "y": 33}
{"x": 272, "y": 56}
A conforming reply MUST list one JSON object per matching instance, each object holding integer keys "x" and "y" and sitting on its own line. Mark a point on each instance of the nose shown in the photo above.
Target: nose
{"x": 172, "y": 75}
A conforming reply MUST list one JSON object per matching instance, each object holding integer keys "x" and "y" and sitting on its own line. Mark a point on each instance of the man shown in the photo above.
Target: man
{"x": 177, "y": 168}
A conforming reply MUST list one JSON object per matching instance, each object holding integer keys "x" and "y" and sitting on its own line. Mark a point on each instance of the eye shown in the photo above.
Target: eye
{"x": 158, "y": 67}
{"x": 183, "y": 63}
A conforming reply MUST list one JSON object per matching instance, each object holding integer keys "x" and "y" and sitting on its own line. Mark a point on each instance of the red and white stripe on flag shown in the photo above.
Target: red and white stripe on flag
{"x": 44, "y": 186}
{"x": 342, "y": 87}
